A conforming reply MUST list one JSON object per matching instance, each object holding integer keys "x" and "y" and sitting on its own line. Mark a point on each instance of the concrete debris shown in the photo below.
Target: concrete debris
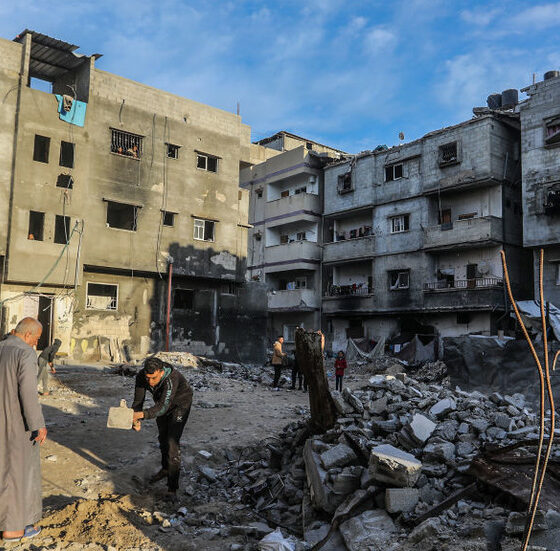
{"x": 337, "y": 456}
{"x": 393, "y": 466}
{"x": 369, "y": 531}
{"x": 398, "y": 500}
{"x": 275, "y": 541}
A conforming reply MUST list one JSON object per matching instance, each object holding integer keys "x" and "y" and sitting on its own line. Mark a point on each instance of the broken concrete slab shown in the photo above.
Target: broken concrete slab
{"x": 378, "y": 406}
{"x": 443, "y": 407}
{"x": 401, "y": 500}
{"x": 341, "y": 405}
{"x": 516, "y": 522}
{"x": 352, "y": 400}
{"x": 338, "y": 456}
{"x": 369, "y": 531}
{"x": 420, "y": 428}
{"x": 442, "y": 451}
{"x": 393, "y": 466}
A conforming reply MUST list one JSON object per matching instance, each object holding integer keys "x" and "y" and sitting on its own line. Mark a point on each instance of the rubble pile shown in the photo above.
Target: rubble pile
{"x": 399, "y": 448}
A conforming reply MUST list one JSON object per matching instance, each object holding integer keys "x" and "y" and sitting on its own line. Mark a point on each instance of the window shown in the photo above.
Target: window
{"x": 399, "y": 279}
{"x": 552, "y": 132}
{"x": 66, "y": 154}
{"x": 399, "y": 224}
{"x": 285, "y": 193}
{"x": 61, "y": 229}
{"x": 228, "y": 288}
{"x": 102, "y": 296}
{"x": 36, "y": 225}
{"x": 299, "y": 190}
{"x": 183, "y": 299}
{"x": 448, "y": 154}
{"x": 300, "y": 236}
{"x": 65, "y": 181}
{"x": 122, "y": 216}
{"x": 301, "y": 283}
{"x": 168, "y": 218}
{"x": 207, "y": 162}
{"x": 41, "y": 149}
{"x": 345, "y": 183}
{"x": 463, "y": 318}
{"x": 308, "y": 145}
{"x": 284, "y": 238}
{"x": 393, "y": 172}
{"x": 290, "y": 332}
{"x": 126, "y": 143}
{"x": 203, "y": 230}
{"x": 172, "y": 151}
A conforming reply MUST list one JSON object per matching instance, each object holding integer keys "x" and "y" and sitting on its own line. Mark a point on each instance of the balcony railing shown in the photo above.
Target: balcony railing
{"x": 347, "y": 290}
{"x": 475, "y": 283}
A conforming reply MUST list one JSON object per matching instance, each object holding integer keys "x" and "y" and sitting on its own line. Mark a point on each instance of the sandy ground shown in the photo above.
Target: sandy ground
{"x": 94, "y": 490}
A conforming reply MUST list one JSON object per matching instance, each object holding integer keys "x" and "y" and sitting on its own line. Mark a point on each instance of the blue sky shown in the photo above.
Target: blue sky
{"x": 348, "y": 73}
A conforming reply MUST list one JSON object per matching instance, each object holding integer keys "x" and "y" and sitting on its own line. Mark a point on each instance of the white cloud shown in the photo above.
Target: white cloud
{"x": 537, "y": 17}
{"x": 481, "y": 17}
{"x": 380, "y": 40}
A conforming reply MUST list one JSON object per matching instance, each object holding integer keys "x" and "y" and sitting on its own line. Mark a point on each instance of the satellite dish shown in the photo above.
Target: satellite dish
{"x": 401, "y": 136}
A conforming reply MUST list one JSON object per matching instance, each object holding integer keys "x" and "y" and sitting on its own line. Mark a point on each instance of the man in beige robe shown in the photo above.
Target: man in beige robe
{"x": 22, "y": 430}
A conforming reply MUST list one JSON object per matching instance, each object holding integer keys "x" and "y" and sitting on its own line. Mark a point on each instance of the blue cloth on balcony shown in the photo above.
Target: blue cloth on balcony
{"x": 77, "y": 113}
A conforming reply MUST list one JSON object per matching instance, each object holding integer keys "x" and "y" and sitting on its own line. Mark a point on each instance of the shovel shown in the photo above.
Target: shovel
{"x": 120, "y": 417}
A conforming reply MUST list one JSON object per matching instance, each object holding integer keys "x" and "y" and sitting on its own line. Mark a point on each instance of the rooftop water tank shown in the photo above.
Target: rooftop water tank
{"x": 551, "y": 74}
{"x": 509, "y": 97}
{"x": 494, "y": 101}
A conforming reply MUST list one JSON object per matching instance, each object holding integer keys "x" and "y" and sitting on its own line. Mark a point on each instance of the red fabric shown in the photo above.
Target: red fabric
{"x": 340, "y": 366}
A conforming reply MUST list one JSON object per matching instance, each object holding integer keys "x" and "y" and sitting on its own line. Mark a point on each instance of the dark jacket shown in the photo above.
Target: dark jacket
{"x": 173, "y": 392}
{"x": 49, "y": 353}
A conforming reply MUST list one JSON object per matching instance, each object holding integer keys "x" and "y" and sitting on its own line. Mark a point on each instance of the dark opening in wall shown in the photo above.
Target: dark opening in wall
{"x": 126, "y": 143}
{"x": 102, "y": 296}
{"x": 168, "y": 218}
{"x": 66, "y": 154}
{"x": 65, "y": 180}
{"x": 207, "y": 162}
{"x": 41, "y": 149}
{"x": 183, "y": 299}
{"x": 122, "y": 216}
{"x": 449, "y": 154}
{"x": 61, "y": 229}
{"x": 345, "y": 183}
{"x": 36, "y": 225}
{"x": 463, "y": 318}
{"x": 173, "y": 151}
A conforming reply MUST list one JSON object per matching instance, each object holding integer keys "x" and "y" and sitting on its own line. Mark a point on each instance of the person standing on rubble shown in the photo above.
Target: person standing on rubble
{"x": 340, "y": 367}
{"x": 46, "y": 358}
{"x": 22, "y": 430}
{"x": 277, "y": 360}
{"x": 172, "y": 404}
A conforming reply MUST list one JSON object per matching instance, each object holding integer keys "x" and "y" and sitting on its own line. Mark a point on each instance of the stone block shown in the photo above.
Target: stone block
{"x": 420, "y": 428}
{"x": 393, "y": 466}
{"x": 341, "y": 405}
{"x": 401, "y": 500}
{"x": 370, "y": 531}
{"x": 502, "y": 420}
{"x": 443, "y": 407}
{"x": 338, "y": 456}
{"x": 353, "y": 400}
{"x": 444, "y": 451}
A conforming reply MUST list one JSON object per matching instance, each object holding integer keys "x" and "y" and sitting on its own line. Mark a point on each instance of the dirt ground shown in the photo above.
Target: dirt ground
{"x": 94, "y": 489}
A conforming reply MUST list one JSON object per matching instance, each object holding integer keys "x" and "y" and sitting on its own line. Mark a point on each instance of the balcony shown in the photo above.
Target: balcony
{"x": 473, "y": 232}
{"x": 293, "y": 300}
{"x": 292, "y": 208}
{"x": 349, "y": 249}
{"x": 467, "y": 294}
{"x": 461, "y": 179}
{"x": 289, "y": 256}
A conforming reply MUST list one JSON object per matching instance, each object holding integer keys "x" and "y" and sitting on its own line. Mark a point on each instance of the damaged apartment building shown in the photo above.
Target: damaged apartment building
{"x": 540, "y": 152}
{"x": 413, "y": 233}
{"x": 286, "y": 205}
{"x": 111, "y": 190}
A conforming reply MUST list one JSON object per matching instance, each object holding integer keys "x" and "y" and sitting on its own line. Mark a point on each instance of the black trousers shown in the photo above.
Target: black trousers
{"x": 170, "y": 429}
{"x": 338, "y": 379}
{"x": 299, "y": 376}
{"x": 277, "y": 371}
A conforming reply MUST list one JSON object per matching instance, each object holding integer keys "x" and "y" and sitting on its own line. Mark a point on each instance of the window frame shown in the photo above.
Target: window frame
{"x": 127, "y": 137}
{"x": 116, "y": 299}
{"x": 206, "y": 157}
{"x": 405, "y": 223}
{"x": 47, "y": 146}
{"x": 547, "y": 124}
{"x": 35, "y": 238}
{"x": 453, "y": 161}
{"x": 343, "y": 180}
{"x": 165, "y": 213}
{"x": 393, "y": 286}
{"x": 65, "y": 177}
{"x": 60, "y": 158}
{"x": 392, "y": 168}
{"x": 171, "y": 147}
{"x": 136, "y": 213}
{"x": 198, "y": 226}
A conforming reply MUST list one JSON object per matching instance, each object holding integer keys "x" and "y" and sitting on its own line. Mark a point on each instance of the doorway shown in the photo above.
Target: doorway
{"x": 45, "y": 316}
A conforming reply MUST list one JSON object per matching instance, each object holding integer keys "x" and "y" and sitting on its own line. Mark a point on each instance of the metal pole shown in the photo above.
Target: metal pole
{"x": 167, "y": 328}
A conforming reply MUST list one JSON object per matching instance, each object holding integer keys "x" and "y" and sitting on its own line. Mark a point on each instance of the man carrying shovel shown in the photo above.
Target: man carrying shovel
{"x": 172, "y": 403}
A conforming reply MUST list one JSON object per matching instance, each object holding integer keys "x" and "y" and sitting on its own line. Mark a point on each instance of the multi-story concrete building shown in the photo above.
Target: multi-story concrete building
{"x": 104, "y": 184}
{"x": 413, "y": 234}
{"x": 286, "y": 204}
{"x": 540, "y": 153}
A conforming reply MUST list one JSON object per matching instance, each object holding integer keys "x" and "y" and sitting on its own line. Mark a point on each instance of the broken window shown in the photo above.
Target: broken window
{"x": 65, "y": 181}
{"x": 399, "y": 279}
{"x": 172, "y": 151}
{"x": 299, "y": 190}
{"x": 183, "y": 299}
{"x": 345, "y": 183}
{"x": 552, "y": 203}
{"x": 393, "y": 172}
{"x": 284, "y": 238}
{"x": 168, "y": 218}
{"x": 61, "y": 229}
{"x": 552, "y": 132}
{"x": 399, "y": 224}
{"x": 207, "y": 162}
{"x": 102, "y": 296}
{"x": 308, "y": 145}
{"x": 66, "y": 154}
{"x": 36, "y": 225}
{"x": 126, "y": 143}
{"x": 122, "y": 216}
{"x": 448, "y": 154}
{"x": 300, "y": 236}
{"x": 203, "y": 229}
{"x": 41, "y": 149}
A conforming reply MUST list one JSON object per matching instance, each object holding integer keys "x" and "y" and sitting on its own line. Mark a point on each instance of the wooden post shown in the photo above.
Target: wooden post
{"x": 310, "y": 360}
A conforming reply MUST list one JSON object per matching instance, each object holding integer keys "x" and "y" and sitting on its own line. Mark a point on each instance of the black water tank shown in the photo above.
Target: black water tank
{"x": 551, "y": 74}
{"x": 509, "y": 97}
{"x": 494, "y": 101}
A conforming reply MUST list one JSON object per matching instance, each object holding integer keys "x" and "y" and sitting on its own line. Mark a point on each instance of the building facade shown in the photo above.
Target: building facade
{"x": 540, "y": 151}
{"x": 106, "y": 184}
{"x": 286, "y": 205}
{"x": 412, "y": 234}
